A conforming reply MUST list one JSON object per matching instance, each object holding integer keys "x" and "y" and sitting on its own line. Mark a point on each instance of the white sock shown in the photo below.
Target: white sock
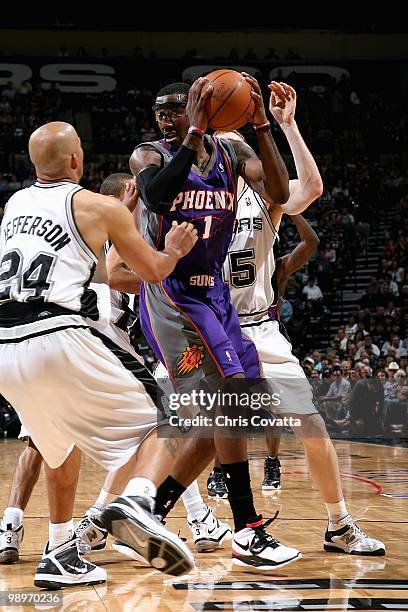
{"x": 104, "y": 498}
{"x": 336, "y": 512}
{"x": 193, "y": 502}
{"x": 12, "y": 516}
{"x": 59, "y": 533}
{"x": 140, "y": 486}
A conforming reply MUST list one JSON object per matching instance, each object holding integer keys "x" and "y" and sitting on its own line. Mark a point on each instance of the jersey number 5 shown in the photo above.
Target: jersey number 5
{"x": 242, "y": 269}
{"x": 35, "y": 279}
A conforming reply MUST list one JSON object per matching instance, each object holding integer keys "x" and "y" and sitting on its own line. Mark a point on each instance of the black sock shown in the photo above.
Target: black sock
{"x": 217, "y": 470}
{"x": 167, "y": 495}
{"x": 240, "y": 497}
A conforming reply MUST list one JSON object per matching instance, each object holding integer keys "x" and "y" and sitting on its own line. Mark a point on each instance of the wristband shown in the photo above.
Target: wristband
{"x": 193, "y": 129}
{"x": 261, "y": 126}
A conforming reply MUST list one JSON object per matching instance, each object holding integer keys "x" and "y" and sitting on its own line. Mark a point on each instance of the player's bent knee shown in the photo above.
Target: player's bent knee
{"x": 312, "y": 427}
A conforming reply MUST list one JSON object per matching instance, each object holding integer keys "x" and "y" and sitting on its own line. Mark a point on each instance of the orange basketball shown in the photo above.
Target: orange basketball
{"x": 230, "y": 104}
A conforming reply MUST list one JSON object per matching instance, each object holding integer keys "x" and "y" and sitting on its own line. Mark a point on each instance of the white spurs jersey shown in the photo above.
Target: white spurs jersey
{"x": 43, "y": 258}
{"x": 121, "y": 315}
{"x": 250, "y": 262}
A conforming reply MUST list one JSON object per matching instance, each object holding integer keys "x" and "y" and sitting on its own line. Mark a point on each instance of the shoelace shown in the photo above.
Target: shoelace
{"x": 82, "y": 525}
{"x": 219, "y": 478}
{"x": 264, "y": 538}
{"x": 272, "y": 471}
{"x": 83, "y": 547}
{"x": 357, "y": 530}
{"x": 351, "y": 522}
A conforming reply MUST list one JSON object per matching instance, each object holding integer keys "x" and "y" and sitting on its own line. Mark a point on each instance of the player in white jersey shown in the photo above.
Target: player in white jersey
{"x": 29, "y": 464}
{"x": 248, "y": 270}
{"x": 68, "y": 388}
{"x": 208, "y": 534}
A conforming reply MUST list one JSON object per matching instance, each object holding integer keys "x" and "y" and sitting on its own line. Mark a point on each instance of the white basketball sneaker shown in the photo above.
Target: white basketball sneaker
{"x": 10, "y": 540}
{"x": 64, "y": 566}
{"x": 349, "y": 538}
{"x": 208, "y": 532}
{"x": 92, "y": 533}
{"x": 255, "y": 550}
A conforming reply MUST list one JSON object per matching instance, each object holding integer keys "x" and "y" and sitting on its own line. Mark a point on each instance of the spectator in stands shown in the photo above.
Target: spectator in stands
{"x": 368, "y": 300}
{"x": 391, "y": 369}
{"x": 318, "y": 366}
{"x": 309, "y": 362}
{"x": 286, "y": 311}
{"x": 340, "y": 387}
{"x": 366, "y": 407}
{"x": 329, "y": 253}
{"x": 345, "y": 367}
{"x": 396, "y": 396}
{"x": 368, "y": 347}
{"x": 404, "y": 363}
{"x": 396, "y": 272}
{"x": 311, "y": 291}
{"x": 397, "y": 344}
{"x": 335, "y": 404}
{"x": 351, "y": 327}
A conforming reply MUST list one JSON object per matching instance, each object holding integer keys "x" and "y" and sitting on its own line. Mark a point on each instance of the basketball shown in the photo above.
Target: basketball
{"x": 230, "y": 105}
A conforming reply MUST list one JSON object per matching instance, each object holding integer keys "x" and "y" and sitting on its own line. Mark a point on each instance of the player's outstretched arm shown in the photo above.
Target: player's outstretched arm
{"x": 268, "y": 175}
{"x": 308, "y": 186}
{"x": 150, "y": 265}
{"x": 290, "y": 263}
{"x": 119, "y": 275}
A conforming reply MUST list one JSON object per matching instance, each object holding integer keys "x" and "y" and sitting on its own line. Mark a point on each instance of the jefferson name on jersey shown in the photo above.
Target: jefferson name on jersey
{"x": 37, "y": 226}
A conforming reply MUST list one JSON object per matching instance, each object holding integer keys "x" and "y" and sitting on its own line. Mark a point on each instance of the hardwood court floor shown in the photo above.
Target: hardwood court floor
{"x": 375, "y": 480}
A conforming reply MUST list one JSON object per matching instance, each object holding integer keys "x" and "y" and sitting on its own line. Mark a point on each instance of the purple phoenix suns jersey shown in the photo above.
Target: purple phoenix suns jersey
{"x": 188, "y": 319}
{"x": 208, "y": 200}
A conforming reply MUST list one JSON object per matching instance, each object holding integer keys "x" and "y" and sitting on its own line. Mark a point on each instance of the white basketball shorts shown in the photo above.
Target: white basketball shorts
{"x": 70, "y": 389}
{"x": 279, "y": 364}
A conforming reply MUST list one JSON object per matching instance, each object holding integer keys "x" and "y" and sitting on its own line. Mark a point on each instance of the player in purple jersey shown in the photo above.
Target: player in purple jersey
{"x": 188, "y": 318}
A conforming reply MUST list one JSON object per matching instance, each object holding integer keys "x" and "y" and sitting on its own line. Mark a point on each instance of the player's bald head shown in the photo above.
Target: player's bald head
{"x": 55, "y": 150}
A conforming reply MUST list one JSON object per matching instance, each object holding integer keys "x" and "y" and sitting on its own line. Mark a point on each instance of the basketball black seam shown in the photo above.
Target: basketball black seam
{"x": 238, "y": 118}
{"x": 226, "y": 99}
{"x": 224, "y": 102}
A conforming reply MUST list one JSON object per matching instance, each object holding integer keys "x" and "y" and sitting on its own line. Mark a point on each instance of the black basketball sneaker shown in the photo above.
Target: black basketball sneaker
{"x": 272, "y": 474}
{"x": 131, "y": 520}
{"x": 216, "y": 486}
{"x": 64, "y": 566}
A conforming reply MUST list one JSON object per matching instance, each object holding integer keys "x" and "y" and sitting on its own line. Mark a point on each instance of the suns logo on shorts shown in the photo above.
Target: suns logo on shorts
{"x": 191, "y": 358}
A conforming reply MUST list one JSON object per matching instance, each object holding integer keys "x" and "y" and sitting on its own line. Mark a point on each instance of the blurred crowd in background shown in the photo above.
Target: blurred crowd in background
{"x": 348, "y": 327}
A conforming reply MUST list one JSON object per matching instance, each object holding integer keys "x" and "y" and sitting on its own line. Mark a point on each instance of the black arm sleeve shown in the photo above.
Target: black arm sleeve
{"x": 159, "y": 186}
